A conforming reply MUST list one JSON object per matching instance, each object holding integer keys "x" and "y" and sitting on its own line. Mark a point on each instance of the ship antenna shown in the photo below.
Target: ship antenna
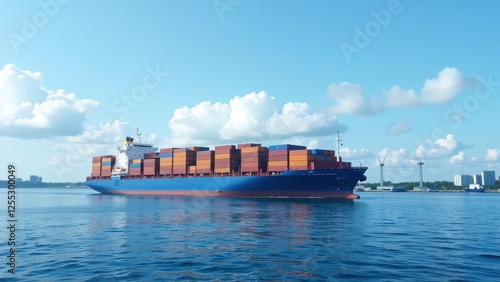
{"x": 138, "y": 135}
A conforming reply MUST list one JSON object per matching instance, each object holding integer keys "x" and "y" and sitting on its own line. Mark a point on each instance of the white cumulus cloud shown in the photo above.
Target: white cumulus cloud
{"x": 399, "y": 128}
{"x": 393, "y": 158}
{"x": 72, "y": 152}
{"x": 349, "y": 98}
{"x": 255, "y": 116}
{"x": 449, "y": 83}
{"x": 492, "y": 155}
{"x": 28, "y": 110}
{"x": 399, "y": 97}
{"x": 446, "y": 86}
{"x": 442, "y": 147}
{"x": 351, "y": 154}
{"x": 459, "y": 158}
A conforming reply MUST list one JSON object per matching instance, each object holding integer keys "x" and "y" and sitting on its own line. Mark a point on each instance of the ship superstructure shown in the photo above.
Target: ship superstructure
{"x": 131, "y": 149}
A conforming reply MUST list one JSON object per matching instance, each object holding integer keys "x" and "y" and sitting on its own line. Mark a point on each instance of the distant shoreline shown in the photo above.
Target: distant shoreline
{"x": 438, "y": 191}
{"x": 30, "y": 184}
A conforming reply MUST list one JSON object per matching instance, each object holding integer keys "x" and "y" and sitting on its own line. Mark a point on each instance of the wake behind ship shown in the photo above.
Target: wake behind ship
{"x": 245, "y": 170}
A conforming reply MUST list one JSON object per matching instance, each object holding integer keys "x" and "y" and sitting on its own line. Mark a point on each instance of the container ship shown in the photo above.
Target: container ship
{"x": 243, "y": 170}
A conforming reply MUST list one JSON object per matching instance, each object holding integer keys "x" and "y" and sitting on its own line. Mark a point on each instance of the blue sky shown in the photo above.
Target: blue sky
{"x": 405, "y": 80}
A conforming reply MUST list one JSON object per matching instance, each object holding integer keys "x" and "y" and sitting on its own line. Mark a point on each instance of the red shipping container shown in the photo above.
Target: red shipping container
{"x": 165, "y": 170}
{"x": 151, "y": 155}
{"x": 278, "y": 153}
{"x": 179, "y": 170}
{"x": 278, "y": 158}
{"x": 167, "y": 150}
{"x": 224, "y": 147}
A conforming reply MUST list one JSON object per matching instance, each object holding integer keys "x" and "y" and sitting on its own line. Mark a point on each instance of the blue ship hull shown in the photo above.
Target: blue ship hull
{"x": 476, "y": 190}
{"x": 327, "y": 183}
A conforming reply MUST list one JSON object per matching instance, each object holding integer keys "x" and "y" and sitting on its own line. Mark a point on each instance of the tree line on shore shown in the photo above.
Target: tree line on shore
{"x": 37, "y": 184}
{"x": 439, "y": 185}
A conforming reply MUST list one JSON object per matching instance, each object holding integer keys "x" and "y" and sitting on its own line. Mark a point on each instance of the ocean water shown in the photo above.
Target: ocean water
{"x": 73, "y": 234}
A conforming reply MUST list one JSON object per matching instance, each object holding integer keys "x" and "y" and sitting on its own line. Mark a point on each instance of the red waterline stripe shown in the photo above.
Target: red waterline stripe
{"x": 250, "y": 194}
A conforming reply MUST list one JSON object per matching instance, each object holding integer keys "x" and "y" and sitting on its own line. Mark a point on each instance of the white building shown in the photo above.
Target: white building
{"x": 488, "y": 177}
{"x": 463, "y": 180}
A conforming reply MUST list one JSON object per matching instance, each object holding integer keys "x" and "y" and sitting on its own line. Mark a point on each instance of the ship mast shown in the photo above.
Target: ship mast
{"x": 338, "y": 146}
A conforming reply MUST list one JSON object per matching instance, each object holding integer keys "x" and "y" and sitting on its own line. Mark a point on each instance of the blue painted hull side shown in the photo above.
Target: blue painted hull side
{"x": 474, "y": 190}
{"x": 335, "y": 183}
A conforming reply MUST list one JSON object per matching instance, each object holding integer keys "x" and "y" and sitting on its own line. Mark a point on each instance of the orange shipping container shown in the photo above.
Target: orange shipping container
{"x": 108, "y": 159}
{"x": 248, "y": 145}
{"x": 299, "y": 152}
{"x": 278, "y": 163}
{"x": 254, "y": 150}
{"x": 302, "y": 158}
{"x": 191, "y": 169}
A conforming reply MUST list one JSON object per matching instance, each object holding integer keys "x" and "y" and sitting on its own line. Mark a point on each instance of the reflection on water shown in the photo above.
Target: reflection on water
{"x": 321, "y": 229}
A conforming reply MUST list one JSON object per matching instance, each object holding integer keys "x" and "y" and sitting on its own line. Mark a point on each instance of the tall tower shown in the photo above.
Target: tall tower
{"x": 420, "y": 164}
{"x": 382, "y": 187}
{"x": 421, "y": 187}
{"x": 381, "y": 170}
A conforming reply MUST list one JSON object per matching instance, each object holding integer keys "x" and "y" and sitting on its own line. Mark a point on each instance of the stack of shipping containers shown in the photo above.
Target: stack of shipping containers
{"x": 183, "y": 158}
{"x": 135, "y": 167}
{"x": 312, "y": 159}
{"x": 166, "y": 161}
{"x": 193, "y": 168}
{"x": 254, "y": 158}
{"x": 246, "y": 159}
{"x": 96, "y": 166}
{"x": 151, "y": 164}
{"x": 205, "y": 162}
{"x": 279, "y": 157}
{"x": 227, "y": 159}
{"x": 107, "y": 164}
